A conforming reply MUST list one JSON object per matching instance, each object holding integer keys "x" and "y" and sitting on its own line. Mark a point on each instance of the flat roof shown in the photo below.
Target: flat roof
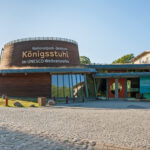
{"x": 120, "y": 66}
{"x": 49, "y": 70}
{"x": 120, "y": 75}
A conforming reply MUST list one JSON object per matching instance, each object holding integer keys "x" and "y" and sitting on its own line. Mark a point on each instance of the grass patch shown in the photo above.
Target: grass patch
{"x": 25, "y": 103}
{"x": 29, "y": 99}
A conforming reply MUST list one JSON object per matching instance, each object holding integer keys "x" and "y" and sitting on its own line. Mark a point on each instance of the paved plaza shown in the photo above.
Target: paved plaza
{"x": 76, "y": 126}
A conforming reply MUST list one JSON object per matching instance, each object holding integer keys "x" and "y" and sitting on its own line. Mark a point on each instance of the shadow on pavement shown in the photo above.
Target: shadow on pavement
{"x": 106, "y": 105}
{"x": 16, "y": 140}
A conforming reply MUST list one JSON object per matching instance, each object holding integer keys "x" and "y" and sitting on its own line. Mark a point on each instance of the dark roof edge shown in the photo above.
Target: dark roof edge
{"x": 49, "y": 70}
{"x": 111, "y": 75}
{"x": 120, "y": 66}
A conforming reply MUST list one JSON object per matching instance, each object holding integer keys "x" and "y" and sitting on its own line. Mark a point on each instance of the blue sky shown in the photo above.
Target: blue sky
{"x": 104, "y": 29}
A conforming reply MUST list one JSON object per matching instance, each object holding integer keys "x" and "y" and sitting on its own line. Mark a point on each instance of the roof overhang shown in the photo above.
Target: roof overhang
{"x": 120, "y": 66}
{"x": 49, "y": 70}
{"x": 121, "y": 75}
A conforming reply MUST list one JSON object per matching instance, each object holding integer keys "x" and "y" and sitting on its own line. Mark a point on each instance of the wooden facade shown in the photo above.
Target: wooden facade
{"x": 26, "y": 85}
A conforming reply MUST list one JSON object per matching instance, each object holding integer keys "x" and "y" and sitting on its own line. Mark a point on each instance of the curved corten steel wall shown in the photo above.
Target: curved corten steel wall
{"x": 45, "y": 52}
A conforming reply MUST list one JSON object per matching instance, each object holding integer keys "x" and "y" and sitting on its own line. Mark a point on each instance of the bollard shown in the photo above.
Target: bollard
{"x": 73, "y": 99}
{"x": 67, "y": 99}
{"x": 6, "y": 101}
{"x": 83, "y": 99}
{"x": 54, "y": 98}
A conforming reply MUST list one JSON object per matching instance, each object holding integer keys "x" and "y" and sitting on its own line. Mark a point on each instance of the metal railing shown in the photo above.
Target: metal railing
{"x": 42, "y": 39}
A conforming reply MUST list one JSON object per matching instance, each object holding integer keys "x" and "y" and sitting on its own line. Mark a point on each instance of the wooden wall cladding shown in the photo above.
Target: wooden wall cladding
{"x": 12, "y": 56}
{"x": 30, "y": 85}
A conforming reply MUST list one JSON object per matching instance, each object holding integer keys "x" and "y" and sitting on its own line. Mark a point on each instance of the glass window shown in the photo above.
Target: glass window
{"x": 75, "y": 90}
{"x": 54, "y": 85}
{"x": 132, "y": 87}
{"x": 90, "y": 85}
{"x": 112, "y": 88}
{"x": 60, "y": 86}
{"x": 71, "y": 85}
{"x": 147, "y": 59}
{"x": 140, "y": 60}
{"x": 83, "y": 91}
{"x": 79, "y": 87}
{"x": 66, "y": 86}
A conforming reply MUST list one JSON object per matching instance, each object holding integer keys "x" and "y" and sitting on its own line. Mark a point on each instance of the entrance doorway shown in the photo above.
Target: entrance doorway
{"x": 133, "y": 87}
{"x": 101, "y": 88}
{"x": 116, "y": 88}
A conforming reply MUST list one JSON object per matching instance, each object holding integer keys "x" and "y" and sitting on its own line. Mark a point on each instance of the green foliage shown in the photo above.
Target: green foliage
{"x": 60, "y": 91}
{"x": 67, "y": 91}
{"x": 54, "y": 90}
{"x": 11, "y": 101}
{"x": 124, "y": 59}
{"x": 84, "y": 60}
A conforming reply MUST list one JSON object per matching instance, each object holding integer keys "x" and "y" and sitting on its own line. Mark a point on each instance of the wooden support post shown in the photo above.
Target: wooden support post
{"x": 6, "y": 101}
{"x": 54, "y": 98}
{"x": 67, "y": 99}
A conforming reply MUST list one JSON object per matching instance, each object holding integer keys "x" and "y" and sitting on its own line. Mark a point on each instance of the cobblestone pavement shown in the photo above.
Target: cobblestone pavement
{"x": 58, "y": 128}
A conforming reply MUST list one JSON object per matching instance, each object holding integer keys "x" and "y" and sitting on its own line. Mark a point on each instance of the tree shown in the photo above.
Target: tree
{"x": 124, "y": 59}
{"x": 84, "y": 60}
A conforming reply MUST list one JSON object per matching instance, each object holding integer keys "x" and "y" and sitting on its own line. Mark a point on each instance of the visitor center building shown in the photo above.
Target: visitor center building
{"x": 50, "y": 67}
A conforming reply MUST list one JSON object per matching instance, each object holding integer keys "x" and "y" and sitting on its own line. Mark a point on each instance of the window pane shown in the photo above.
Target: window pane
{"x": 90, "y": 84}
{"x": 66, "y": 85}
{"x": 71, "y": 85}
{"x": 74, "y": 85}
{"x": 60, "y": 86}
{"x": 83, "y": 85}
{"x": 54, "y": 85}
{"x": 79, "y": 86}
{"x": 132, "y": 87}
